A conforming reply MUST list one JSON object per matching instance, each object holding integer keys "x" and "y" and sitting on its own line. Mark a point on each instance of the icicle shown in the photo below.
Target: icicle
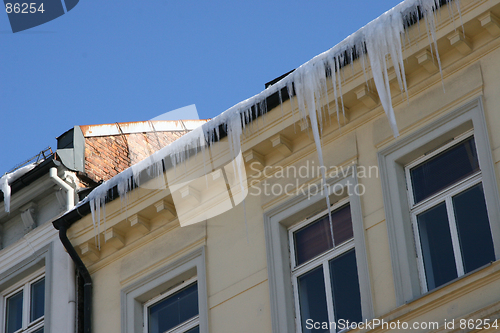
{"x": 263, "y": 110}
{"x": 98, "y": 214}
{"x": 282, "y": 113}
{"x": 305, "y": 94}
{"x": 257, "y": 109}
{"x": 333, "y": 66}
{"x": 429, "y": 8}
{"x": 352, "y": 62}
{"x": 340, "y": 87}
{"x": 396, "y": 52}
{"x": 325, "y": 89}
{"x": 246, "y": 120}
{"x": 234, "y": 132}
{"x": 363, "y": 65}
{"x": 289, "y": 88}
{"x": 457, "y": 3}
{"x": 450, "y": 14}
{"x": 92, "y": 212}
{"x": 104, "y": 219}
{"x": 8, "y": 179}
{"x": 379, "y": 46}
{"x": 316, "y": 85}
{"x": 5, "y": 188}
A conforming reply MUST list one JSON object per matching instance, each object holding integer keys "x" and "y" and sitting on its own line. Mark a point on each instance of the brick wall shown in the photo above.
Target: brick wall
{"x": 106, "y": 156}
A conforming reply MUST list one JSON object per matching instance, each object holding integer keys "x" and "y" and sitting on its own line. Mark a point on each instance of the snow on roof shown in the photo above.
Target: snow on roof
{"x": 8, "y": 179}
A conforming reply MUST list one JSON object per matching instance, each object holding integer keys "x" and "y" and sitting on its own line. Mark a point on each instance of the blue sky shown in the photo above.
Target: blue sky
{"x": 109, "y": 61}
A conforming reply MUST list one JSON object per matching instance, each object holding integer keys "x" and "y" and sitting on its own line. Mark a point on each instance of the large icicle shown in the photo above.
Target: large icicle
{"x": 308, "y": 89}
{"x": 383, "y": 39}
{"x": 234, "y": 131}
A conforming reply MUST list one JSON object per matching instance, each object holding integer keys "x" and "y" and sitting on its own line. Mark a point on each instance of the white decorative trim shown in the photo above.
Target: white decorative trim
{"x": 28, "y": 216}
{"x": 23, "y": 285}
{"x": 182, "y": 327}
{"x": 41, "y": 248}
{"x": 392, "y": 160}
{"x": 276, "y": 223}
{"x": 27, "y": 246}
{"x": 282, "y": 144}
{"x": 41, "y": 261}
{"x": 136, "y": 294}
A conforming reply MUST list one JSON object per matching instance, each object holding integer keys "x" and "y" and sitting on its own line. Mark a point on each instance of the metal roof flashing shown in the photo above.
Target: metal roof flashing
{"x": 141, "y": 127}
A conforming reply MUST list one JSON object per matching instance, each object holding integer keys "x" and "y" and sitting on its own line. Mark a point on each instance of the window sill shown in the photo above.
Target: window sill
{"x": 465, "y": 276}
{"x": 425, "y": 306}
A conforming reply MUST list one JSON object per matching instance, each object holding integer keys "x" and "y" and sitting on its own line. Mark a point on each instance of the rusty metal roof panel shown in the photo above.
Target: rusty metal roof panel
{"x": 141, "y": 127}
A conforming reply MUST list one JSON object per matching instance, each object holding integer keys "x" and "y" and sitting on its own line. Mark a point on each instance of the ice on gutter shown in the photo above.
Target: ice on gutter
{"x": 372, "y": 45}
{"x": 8, "y": 179}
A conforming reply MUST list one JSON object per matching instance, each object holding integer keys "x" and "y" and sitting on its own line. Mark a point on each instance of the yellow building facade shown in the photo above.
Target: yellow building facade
{"x": 401, "y": 208}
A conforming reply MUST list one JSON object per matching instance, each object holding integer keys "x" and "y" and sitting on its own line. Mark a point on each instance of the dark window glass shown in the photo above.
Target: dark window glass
{"x": 14, "y": 316}
{"x": 40, "y": 330}
{"x": 194, "y": 330}
{"x": 345, "y": 287}
{"x": 312, "y": 298}
{"x": 473, "y": 227}
{"x": 37, "y": 299}
{"x": 342, "y": 225}
{"x": 316, "y": 238}
{"x": 437, "y": 248}
{"x": 174, "y": 310}
{"x": 312, "y": 240}
{"x": 444, "y": 169}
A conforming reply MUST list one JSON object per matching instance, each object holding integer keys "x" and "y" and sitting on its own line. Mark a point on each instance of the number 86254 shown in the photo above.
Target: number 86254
{"x": 23, "y": 8}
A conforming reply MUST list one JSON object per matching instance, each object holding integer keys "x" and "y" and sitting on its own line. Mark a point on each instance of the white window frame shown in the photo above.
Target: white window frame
{"x": 320, "y": 260}
{"x": 25, "y": 286}
{"x": 182, "y": 327}
{"x": 445, "y": 195}
{"x": 135, "y": 295}
{"x": 398, "y": 206}
{"x": 422, "y": 159}
{"x": 277, "y": 221}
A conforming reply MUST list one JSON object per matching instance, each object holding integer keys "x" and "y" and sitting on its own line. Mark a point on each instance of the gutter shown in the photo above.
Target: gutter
{"x": 70, "y": 195}
{"x": 84, "y": 273}
{"x": 80, "y": 266}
